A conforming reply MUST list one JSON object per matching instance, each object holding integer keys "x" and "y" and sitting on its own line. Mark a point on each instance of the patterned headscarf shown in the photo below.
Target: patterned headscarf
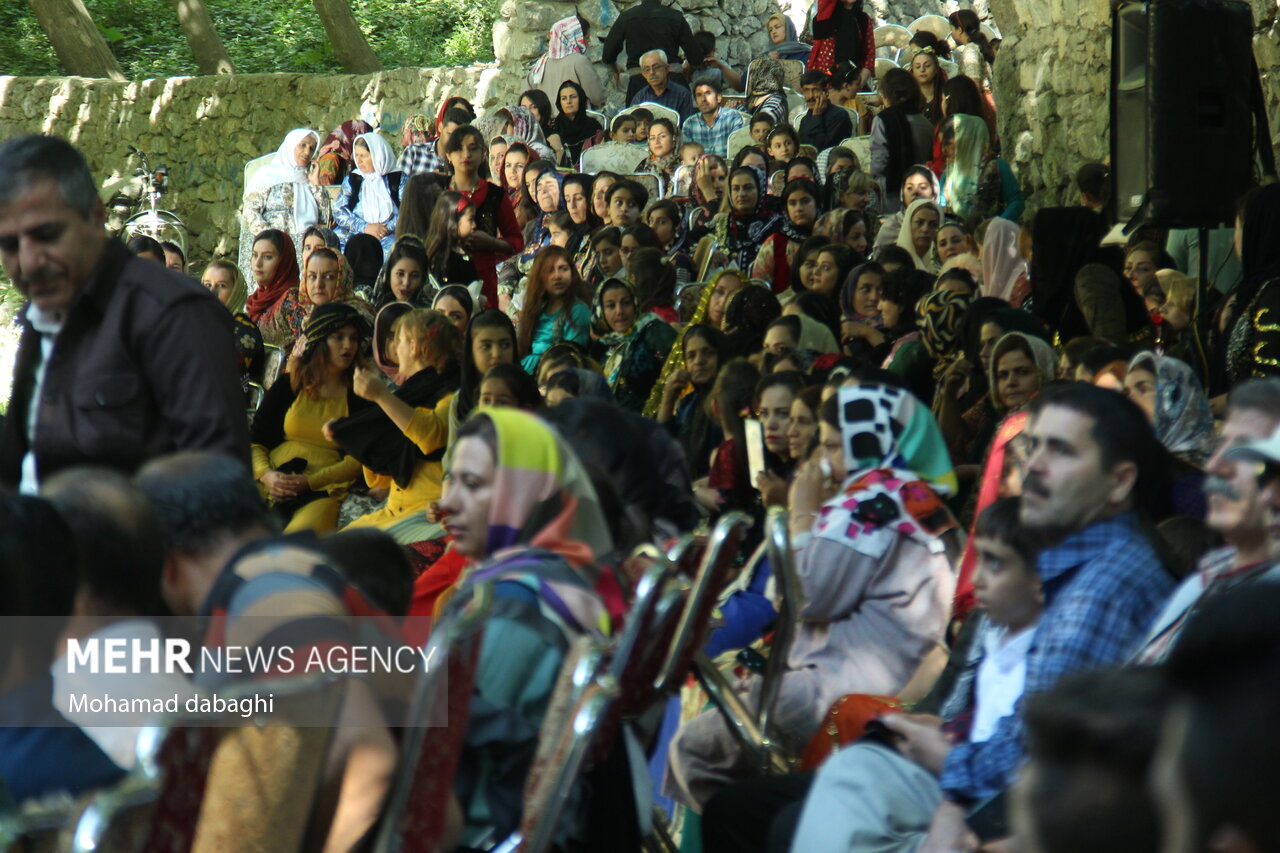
{"x": 346, "y": 283}
{"x": 1042, "y": 355}
{"x": 564, "y": 40}
{"x": 343, "y": 137}
{"x": 742, "y": 234}
{"x": 1002, "y": 263}
{"x": 766, "y": 76}
{"x": 896, "y": 466}
{"x": 331, "y": 317}
{"x": 542, "y": 496}
{"x": 939, "y": 314}
{"x": 525, "y": 126}
{"x": 1183, "y": 421}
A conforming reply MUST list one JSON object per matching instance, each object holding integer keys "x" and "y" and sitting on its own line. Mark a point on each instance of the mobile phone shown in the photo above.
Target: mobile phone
{"x": 753, "y": 434}
{"x": 824, "y": 465}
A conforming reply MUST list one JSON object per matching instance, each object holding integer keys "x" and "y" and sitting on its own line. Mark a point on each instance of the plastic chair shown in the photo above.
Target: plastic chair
{"x": 189, "y": 789}
{"x": 658, "y": 110}
{"x": 892, "y": 35}
{"x": 254, "y": 402}
{"x": 736, "y": 141}
{"x": 753, "y": 727}
{"x": 250, "y": 169}
{"x": 792, "y": 70}
{"x": 935, "y": 24}
{"x": 861, "y": 147}
{"x": 795, "y": 102}
{"x": 414, "y": 818}
{"x": 615, "y": 157}
{"x": 883, "y": 66}
{"x": 651, "y": 182}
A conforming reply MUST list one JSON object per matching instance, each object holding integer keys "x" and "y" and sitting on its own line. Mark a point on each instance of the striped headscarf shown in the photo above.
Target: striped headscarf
{"x": 565, "y": 39}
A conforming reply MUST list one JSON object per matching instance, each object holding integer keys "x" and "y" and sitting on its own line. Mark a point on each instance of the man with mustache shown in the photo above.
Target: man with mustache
{"x": 1239, "y": 509}
{"x": 121, "y": 359}
{"x": 1093, "y": 462}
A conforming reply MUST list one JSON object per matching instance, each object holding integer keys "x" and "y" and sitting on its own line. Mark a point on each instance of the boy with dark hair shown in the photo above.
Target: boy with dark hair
{"x": 625, "y": 201}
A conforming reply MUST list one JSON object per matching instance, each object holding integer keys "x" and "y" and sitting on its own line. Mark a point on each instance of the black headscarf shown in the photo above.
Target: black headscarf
{"x": 364, "y": 255}
{"x": 329, "y": 318}
{"x": 1260, "y": 246}
{"x": 469, "y": 385}
{"x": 578, "y": 128}
{"x": 901, "y": 144}
{"x": 748, "y": 314}
{"x": 1063, "y": 239}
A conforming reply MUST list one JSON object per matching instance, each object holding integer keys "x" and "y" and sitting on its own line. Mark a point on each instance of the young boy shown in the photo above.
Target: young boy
{"x": 689, "y": 154}
{"x": 643, "y": 118}
{"x": 761, "y": 126}
{"x": 625, "y": 201}
{"x": 623, "y": 128}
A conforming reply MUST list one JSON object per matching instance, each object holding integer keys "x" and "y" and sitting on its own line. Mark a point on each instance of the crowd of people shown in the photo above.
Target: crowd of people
{"x": 1030, "y": 469}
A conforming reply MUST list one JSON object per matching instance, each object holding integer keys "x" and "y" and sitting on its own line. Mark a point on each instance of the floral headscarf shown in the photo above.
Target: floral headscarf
{"x": 1183, "y": 423}
{"x": 766, "y": 76}
{"x": 343, "y": 137}
{"x": 564, "y": 40}
{"x": 346, "y": 283}
{"x": 896, "y": 467}
{"x": 1042, "y": 355}
{"x": 742, "y": 234}
{"x": 525, "y": 127}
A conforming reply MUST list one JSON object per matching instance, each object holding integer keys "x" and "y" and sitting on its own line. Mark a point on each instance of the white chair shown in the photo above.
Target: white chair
{"x": 861, "y": 148}
{"x": 892, "y": 35}
{"x": 883, "y": 66}
{"x": 935, "y": 24}
{"x": 948, "y": 67}
{"x": 792, "y": 70}
{"x": 250, "y": 169}
{"x": 612, "y": 157}
{"x": 602, "y": 118}
{"x": 651, "y": 182}
{"x": 795, "y": 102}
{"x": 990, "y": 32}
{"x": 737, "y": 140}
{"x": 659, "y": 111}
{"x": 888, "y": 52}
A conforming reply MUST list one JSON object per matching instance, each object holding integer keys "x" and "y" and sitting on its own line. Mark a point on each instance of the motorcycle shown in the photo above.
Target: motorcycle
{"x": 134, "y": 209}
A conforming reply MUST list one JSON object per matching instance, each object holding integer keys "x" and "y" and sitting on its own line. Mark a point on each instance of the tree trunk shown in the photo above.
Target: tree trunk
{"x": 81, "y": 49}
{"x": 211, "y": 56}
{"x": 349, "y": 46}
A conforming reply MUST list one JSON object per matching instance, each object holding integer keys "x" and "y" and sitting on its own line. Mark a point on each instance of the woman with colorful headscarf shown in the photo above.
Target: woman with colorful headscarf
{"x": 631, "y": 346}
{"x": 783, "y": 41}
{"x": 745, "y": 220}
{"x": 939, "y": 314}
{"x": 976, "y": 184}
{"x": 370, "y": 198}
{"x": 327, "y": 279}
{"x": 335, "y": 159}
{"x": 1168, "y": 391}
{"x": 566, "y": 60}
{"x": 303, "y": 474}
{"x": 525, "y": 127}
{"x": 281, "y": 194}
{"x": 521, "y": 508}
{"x": 874, "y": 551}
{"x": 800, "y": 200}
{"x": 274, "y": 301}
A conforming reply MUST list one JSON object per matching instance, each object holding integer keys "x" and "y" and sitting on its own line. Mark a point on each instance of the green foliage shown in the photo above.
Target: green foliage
{"x": 261, "y": 36}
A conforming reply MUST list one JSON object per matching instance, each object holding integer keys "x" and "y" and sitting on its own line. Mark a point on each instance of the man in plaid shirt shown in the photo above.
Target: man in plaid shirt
{"x": 1093, "y": 460}
{"x": 711, "y": 127}
{"x": 429, "y": 156}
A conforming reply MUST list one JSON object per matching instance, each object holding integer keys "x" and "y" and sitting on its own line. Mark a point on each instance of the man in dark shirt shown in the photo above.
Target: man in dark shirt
{"x": 824, "y": 125}
{"x": 120, "y": 359}
{"x": 661, "y": 89}
{"x": 648, "y": 26}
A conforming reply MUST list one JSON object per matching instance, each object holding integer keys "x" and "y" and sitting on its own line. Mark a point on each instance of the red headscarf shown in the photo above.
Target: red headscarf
{"x": 264, "y": 301}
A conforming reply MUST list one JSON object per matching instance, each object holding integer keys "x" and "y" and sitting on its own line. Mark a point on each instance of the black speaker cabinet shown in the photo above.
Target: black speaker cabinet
{"x": 1181, "y": 121}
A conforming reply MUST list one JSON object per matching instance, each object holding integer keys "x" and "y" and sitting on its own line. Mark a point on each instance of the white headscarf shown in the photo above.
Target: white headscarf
{"x": 904, "y": 236}
{"x": 1002, "y": 264}
{"x": 375, "y": 197}
{"x": 284, "y": 169}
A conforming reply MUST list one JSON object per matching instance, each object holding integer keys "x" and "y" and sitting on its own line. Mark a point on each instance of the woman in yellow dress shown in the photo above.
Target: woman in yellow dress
{"x": 303, "y": 474}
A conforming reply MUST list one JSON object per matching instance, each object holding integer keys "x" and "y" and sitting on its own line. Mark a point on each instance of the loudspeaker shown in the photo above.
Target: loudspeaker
{"x": 1181, "y": 111}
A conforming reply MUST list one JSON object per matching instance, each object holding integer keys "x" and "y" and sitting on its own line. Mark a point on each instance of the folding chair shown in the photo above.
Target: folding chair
{"x": 792, "y": 70}
{"x": 651, "y": 182}
{"x": 753, "y": 728}
{"x": 892, "y": 35}
{"x": 611, "y": 157}
{"x": 935, "y": 24}
{"x": 737, "y": 140}
{"x": 273, "y": 359}
{"x": 658, "y": 110}
{"x": 414, "y": 817}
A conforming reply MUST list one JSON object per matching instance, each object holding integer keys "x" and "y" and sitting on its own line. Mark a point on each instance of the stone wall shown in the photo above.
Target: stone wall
{"x": 1051, "y": 85}
{"x": 205, "y": 128}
